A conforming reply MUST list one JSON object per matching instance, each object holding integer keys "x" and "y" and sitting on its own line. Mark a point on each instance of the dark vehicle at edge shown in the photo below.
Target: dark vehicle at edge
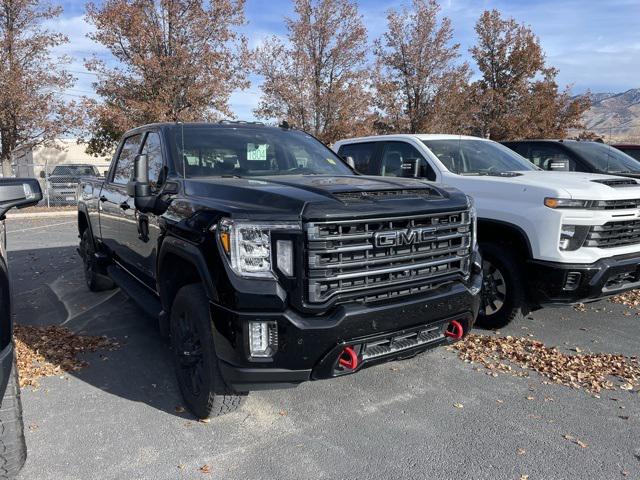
{"x": 576, "y": 156}
{"x": 269, "y": 262}
{"x": 63, "y": 182}
{"x": 20, "y": 193}
{"x": 631, "y": 149}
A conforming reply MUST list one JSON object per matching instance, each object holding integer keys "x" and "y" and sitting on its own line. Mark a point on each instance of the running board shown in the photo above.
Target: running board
{"x": 137, "y": 292}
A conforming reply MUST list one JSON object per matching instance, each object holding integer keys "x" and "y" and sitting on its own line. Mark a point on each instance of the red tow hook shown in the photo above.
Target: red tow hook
{"x": 454, "y": 330}
{"x": 348, "y": 358}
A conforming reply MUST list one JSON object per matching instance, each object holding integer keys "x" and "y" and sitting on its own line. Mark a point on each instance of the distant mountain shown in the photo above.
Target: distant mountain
{"x": 615, "y": 115}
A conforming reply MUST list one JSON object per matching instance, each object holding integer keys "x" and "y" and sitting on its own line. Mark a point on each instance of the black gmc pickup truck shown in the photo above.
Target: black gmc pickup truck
{"x": 269, "y": 262}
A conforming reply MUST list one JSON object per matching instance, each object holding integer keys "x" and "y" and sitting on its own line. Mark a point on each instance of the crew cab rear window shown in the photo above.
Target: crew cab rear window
{"x": 124, "y": 163}
{"x": 362, "y": 153}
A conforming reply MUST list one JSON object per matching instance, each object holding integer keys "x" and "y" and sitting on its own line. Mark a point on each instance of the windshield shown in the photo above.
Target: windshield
{"x": 74, "y": 170}
{"x": 605, "y": 158}
{"x": 477, "y": 157}
{"x": 253, "y": 152}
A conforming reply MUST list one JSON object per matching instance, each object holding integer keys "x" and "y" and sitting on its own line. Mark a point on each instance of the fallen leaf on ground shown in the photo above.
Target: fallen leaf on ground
{"x": 205, "y": 420}
{"x": 458, "y": 405}
{"x": 590, "y": 371}
{"x": 628, "y": 299}
{"x": 521, "y": 451}
{"x": 205, "y": 468}
{"x": 179, "y": 409}
{"x": 52, "y": 350}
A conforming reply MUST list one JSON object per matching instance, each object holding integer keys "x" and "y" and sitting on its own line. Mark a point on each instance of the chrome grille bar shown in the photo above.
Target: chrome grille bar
{"x": 347, "y": 256}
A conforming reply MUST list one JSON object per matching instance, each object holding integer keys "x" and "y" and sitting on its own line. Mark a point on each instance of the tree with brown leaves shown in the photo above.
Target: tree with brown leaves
{"x": 420, "y": 86}
{"x": 517, "y": 96}
{"x": 32, "y": 109}
{"x": 177, "y": 60}
{"x": 317, "y": 81}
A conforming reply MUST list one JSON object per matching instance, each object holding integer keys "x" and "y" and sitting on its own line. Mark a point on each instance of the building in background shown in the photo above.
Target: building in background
{"x": 29, "y": 162}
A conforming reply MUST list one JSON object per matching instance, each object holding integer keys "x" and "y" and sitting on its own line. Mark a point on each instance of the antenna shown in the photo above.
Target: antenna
{"x": 608, "y": 150}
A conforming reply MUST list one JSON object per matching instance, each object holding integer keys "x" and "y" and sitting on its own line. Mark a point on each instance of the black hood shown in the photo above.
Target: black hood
{"x": 318, "y": 197}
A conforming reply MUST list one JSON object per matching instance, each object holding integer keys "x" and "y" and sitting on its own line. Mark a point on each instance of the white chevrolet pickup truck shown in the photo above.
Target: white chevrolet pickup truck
{"x": 546, "y": 237}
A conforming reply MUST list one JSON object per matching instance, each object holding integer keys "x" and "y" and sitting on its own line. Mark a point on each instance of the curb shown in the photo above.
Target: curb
{"x": 71, "y": 213}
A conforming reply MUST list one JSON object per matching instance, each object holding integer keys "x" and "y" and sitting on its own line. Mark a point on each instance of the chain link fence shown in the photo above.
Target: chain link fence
{"x": 59, "y": 182}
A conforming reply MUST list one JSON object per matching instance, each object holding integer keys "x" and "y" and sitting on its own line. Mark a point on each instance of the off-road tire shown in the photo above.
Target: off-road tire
{"x": 514, "y": 306}
{"x": 94, "y": 280}
{"x": 13, "y": 450}
{"x": 190, "y": 318}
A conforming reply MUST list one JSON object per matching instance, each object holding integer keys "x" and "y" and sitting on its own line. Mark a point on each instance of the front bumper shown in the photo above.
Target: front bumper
{"x": 309, "y": 346}
{"x": 562, "y": 283}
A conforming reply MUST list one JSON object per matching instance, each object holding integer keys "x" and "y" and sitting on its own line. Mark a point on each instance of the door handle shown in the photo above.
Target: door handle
{"x": 124, "y": 206}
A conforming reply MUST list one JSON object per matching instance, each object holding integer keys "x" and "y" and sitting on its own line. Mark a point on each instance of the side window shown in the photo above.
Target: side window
{"x": 398, "y": 158}
{"x": 362, "y": 154}
{"x": 153, "y": 149}
{"x": 124, "y": 163}
{"x": 550, "y": 157}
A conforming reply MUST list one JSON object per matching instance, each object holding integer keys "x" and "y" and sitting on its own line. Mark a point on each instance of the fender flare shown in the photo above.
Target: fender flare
{"x": 190, "y": 253}
{"x": 82, "y": 209}
{"x": 511, "y": 226}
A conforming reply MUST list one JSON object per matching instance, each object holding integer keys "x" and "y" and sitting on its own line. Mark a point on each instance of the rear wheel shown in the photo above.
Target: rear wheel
{"x": 503, "y": 295}
{"x": 13, "y": 450}
{"x": 196, "y": 363}
{"x": 95, "y": 281}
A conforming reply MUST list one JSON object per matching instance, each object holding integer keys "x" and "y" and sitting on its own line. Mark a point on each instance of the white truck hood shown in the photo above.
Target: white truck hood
{"x": 583, "y": 186}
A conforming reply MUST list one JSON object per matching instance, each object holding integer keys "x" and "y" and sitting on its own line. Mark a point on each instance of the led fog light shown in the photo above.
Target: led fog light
{"x": 284, "y": 249}
{"x": 263, "y": 339}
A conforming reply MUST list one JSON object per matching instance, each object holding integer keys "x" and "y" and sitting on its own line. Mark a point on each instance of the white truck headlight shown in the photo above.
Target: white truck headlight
{"x": 248, "y": 247}
{"x": 473, "y": 218}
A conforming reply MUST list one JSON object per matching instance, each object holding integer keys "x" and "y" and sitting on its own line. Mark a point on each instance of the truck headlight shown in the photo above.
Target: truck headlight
{"x": 248, "y": 247}
{"x": 566, "y": 203}
{"x": 572, "y": 237}
{"x": 473, "y": 217}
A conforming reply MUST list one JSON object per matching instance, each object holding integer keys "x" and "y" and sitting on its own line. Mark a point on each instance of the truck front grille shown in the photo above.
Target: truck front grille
{"x": 380, "y": 258}
{"x": 614, "y": 234}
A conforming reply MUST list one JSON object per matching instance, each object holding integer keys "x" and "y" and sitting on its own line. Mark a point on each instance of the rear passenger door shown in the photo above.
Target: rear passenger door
{"x": 363, "y": 154}
{"x": 117, "y": 210}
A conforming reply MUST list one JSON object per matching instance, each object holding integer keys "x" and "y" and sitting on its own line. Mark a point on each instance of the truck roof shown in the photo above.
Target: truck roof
{"x": 221, "y": 124}
{"x": 419, "y": 136}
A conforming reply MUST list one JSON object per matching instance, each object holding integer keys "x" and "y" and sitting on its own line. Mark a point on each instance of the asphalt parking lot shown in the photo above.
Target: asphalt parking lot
{"x": 117, "y": 418}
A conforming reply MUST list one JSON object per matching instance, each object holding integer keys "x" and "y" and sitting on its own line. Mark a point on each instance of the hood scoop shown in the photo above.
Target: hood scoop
{"x": 372, "y": 195}
{"x": 618, "y": 182}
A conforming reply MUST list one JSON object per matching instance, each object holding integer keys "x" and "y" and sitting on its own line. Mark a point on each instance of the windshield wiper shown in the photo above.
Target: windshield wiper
{"x": 473, "y": 173}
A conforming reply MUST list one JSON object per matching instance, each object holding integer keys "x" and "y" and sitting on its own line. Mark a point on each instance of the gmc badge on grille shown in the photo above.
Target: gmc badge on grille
{"x": 409, "y": 236}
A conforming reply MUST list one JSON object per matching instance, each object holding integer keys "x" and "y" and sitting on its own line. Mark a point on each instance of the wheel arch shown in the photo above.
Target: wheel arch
{"x": 181, "y": 263}
{"x": 497, "y": 231}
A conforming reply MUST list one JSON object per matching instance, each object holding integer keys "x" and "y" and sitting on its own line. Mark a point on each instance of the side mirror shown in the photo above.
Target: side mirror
{"x": 139, "y": 187}
{"x": 351, "y": 162}
{"x": 42, "y": 174}
{"x": 18, "y": 192}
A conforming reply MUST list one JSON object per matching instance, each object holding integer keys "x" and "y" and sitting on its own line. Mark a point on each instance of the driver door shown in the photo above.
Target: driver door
{"x": 144, "y": 231}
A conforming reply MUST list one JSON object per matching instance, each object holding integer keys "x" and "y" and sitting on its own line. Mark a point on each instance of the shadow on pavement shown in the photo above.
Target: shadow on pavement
{"x": 49, "y": 289}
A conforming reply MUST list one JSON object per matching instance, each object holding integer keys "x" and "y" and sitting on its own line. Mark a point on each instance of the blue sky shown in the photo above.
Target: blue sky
{"x": 594, "y": 44}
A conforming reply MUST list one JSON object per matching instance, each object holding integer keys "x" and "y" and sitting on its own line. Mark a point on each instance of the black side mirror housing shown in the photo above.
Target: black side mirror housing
{"x": 138, "y": 188}
{"x": 19, "y": 193}
{"x": 43, "y": 174}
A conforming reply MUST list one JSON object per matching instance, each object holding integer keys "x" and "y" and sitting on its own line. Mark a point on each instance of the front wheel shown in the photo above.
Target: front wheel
{"x": 13, "y": 450}
{"x": 199, "y": 378}
{"x": 503, "y": 294}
